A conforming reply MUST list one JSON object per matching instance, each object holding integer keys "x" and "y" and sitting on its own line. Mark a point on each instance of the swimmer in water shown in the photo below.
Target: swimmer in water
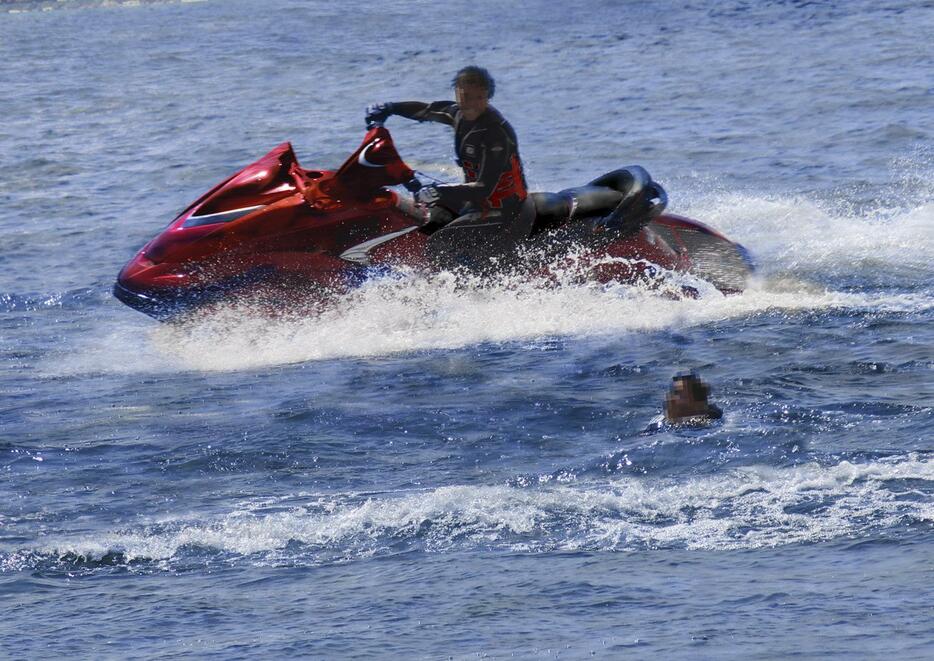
{"x": 686, "y": 403}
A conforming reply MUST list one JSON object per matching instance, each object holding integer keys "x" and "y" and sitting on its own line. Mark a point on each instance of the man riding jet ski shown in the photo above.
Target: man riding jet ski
{"x": 491, "y": 212}
{"x": 292, "y": 235}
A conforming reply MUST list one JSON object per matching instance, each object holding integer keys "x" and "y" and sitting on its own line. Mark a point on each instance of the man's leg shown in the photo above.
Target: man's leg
{"x": 467, "y": 241}
{"x": 473, "y": 239}
{"x": 438, "y": 217}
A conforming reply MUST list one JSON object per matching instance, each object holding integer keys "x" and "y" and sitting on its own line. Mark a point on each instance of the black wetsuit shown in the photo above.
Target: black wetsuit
{"x": 489, "y": 207}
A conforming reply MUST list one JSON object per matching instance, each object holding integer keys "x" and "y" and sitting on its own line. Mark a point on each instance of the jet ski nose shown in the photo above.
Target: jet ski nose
{"x": 139, "y": 301}
{"x": 135, "y": 268}
{"x": 149, "y": 287}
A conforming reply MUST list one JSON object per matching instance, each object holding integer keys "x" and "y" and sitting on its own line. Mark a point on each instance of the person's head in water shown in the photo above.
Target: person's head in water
{"x": 474, "y": 87}
{"x": 687, "y": 400}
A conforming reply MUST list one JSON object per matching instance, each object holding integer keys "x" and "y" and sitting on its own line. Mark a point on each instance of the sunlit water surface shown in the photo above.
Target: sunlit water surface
{"x": 432, "y": 468}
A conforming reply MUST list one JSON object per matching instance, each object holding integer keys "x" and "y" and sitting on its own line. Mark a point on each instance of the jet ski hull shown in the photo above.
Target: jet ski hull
{"x": 286, "y": 234}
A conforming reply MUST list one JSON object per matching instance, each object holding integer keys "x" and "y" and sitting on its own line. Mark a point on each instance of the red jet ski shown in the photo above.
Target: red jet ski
{"x": 277, "y": 228}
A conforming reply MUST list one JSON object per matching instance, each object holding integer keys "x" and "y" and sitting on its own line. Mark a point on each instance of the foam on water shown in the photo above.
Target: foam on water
{"x": 796, "y": 243}
{"x": 223, "y": 488}
{"x": 791, "y": 235}
{"x": 745, "y": 508}
{"x": 397, "y": 316}
{"x": 412, "y": 313}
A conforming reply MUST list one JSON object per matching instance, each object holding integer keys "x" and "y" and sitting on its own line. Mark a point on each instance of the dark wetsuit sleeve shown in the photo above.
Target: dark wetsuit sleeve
{"x": 493, "y": 161}
{"x": 439, "y": 111}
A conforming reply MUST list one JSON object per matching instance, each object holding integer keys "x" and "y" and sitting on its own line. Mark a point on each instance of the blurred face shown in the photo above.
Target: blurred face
{"x": 473, "y": 100}
{"x": 681, "y": 403}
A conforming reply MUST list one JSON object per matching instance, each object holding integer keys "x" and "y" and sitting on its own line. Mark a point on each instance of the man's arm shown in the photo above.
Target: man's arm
{"x": 493, "y": 162}
{"x": 440, "y": 111}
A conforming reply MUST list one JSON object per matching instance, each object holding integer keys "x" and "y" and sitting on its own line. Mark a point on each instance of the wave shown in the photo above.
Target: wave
{"x": 826, "y": 239}
{"x": 745, "y": 508}
{"x": 877, "y": 255}
{"x": 405, "y": 313}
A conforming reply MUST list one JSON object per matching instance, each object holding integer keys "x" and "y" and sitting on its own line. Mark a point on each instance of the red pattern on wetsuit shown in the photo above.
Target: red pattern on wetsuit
{"x": 510, "y": 184}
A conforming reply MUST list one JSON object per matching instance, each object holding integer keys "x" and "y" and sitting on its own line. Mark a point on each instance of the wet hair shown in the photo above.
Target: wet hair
{"x": 473, "y": 75}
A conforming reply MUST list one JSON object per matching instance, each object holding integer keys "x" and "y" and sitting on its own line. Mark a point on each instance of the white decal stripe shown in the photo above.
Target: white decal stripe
{"x": 232, "y": 212}
{"x": 359, "y": 253}
{"x": 362, "y": 158}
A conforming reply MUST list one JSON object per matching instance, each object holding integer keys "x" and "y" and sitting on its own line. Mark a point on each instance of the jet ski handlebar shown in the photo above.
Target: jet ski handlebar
{"x": 298, "y": 177}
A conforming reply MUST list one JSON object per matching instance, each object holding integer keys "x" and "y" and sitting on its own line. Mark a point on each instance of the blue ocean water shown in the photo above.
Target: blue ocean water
{"x": 437, "y": 470}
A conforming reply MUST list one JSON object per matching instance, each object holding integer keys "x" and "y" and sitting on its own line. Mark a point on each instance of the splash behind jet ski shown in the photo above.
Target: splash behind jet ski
{"x": 287, "y": 231}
